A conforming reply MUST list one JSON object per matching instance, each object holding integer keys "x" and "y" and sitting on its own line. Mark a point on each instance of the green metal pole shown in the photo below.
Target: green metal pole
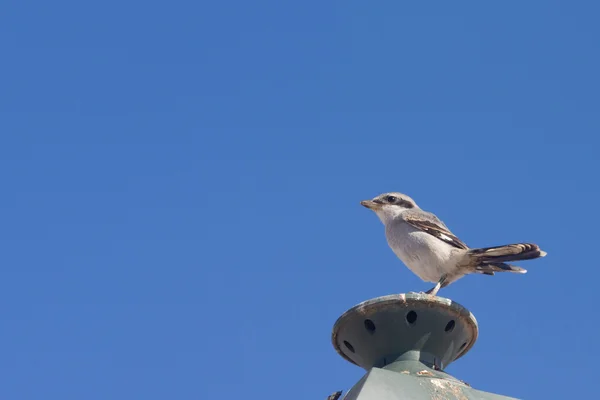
{"x": 405, "y": 342}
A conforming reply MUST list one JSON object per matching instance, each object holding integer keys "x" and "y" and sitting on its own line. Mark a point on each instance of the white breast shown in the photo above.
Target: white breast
{"x": 426, "y": 256}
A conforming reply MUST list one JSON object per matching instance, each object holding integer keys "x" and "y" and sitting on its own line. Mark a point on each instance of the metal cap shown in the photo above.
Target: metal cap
{"x": 413, "y": 326}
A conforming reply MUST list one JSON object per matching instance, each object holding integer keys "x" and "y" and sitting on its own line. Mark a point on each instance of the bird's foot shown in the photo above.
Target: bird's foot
{"x": 433, "y": 291}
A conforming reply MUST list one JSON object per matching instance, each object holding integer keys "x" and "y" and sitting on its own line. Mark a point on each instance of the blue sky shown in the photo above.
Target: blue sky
{"x": 181, "y": 187}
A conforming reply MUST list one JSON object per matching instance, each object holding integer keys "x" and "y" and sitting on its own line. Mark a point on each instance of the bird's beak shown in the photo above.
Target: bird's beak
{"x": 370, "y": 204}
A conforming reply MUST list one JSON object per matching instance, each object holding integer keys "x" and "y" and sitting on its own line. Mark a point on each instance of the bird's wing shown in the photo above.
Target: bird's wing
{"x": 427, "y": 222}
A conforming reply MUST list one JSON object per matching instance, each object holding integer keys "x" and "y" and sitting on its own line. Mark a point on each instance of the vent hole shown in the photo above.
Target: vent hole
{"x": 450, "y": 326}
{"x": 350, "y": 347}
{"x": 462, "y": 346}
{"x": 411, "y": 317}
{"x": 369, "y": 326}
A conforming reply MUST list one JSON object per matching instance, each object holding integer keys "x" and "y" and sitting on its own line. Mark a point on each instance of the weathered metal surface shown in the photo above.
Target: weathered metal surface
{"x": 385, "y": 384}
{"x": 415, "y": 326}
{"x": 404, "y": 342}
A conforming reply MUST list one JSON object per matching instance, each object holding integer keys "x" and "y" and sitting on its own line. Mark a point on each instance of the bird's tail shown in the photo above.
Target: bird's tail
{"x": 493, "y": 259}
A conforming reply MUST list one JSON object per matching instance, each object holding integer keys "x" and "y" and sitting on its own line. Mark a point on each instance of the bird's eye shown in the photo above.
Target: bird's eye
{"x": 391, "y": 199}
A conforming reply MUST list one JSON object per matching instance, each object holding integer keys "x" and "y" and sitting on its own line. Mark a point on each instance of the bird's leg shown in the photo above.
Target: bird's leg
{"x": 433, "y": 291}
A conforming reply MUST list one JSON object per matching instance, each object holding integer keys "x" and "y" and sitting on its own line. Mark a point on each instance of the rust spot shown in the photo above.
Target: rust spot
{"x": 447, "y": 387}
{"x": 335, "y": 396}
{"x": 424, "y": 373}
{"x": 405, "y": 372}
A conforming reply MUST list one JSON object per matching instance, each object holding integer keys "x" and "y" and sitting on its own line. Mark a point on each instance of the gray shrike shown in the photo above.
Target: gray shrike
{"x": 428, "y": 248}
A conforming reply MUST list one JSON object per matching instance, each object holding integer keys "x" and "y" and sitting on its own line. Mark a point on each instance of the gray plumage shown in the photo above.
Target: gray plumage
{"x": 431, "y": 251}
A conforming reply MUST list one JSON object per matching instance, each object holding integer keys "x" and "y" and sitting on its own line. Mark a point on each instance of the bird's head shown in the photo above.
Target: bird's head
{"x": 387, "y": 206}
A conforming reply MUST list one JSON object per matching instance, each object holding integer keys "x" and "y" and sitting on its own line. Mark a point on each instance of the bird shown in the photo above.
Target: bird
{"x": 432, "y": 252}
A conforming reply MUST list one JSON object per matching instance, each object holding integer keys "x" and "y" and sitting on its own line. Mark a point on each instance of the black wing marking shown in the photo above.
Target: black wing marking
{"x": 435, "y": 228}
